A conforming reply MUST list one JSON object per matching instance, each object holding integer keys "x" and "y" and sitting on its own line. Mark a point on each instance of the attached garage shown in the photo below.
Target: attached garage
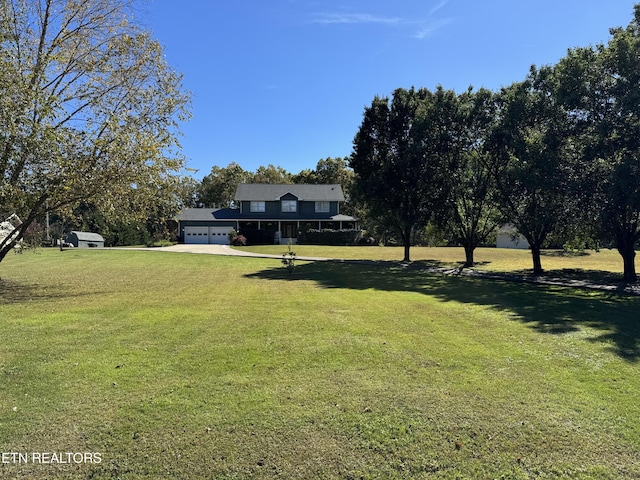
{"x": 207, "y": 235}
{"x": 205, "y": 226}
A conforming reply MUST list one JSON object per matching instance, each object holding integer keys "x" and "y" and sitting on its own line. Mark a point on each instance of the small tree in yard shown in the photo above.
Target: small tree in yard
{"x": 289, "y": 260}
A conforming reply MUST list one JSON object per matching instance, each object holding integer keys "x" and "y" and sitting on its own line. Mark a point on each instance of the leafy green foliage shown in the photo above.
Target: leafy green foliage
{"x": 531, "y": 161}
{"x": 600, "y": 85}
{"x": 289, "y": 260}
{"x": 402, "y": 158}
{"x": 89, "y": 111}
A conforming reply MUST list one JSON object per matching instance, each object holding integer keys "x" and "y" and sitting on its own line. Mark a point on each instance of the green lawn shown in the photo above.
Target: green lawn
{"x": 195, "y": 366}
{"x": 495, "y": 259}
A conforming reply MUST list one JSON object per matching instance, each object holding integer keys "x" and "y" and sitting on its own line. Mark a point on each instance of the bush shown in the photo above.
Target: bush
{"x": 258, "y": 237}
{"x": 328, "y": 237}
{"x": 236, "y": 239}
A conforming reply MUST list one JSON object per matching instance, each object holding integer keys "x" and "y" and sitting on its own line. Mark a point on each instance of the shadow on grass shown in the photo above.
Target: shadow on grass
{"x": 547, "y": 309}
{"x": 564, "y": 253}
{"x": 14, "y": 292}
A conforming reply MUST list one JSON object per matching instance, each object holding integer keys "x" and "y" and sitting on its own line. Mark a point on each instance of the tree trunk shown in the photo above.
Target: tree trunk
{"x": 5, "y": 250}
{"x": 468, "y": 253}
{"x": 626, "y": 250}
{"x": 407, "y": 242}
{"x": 537, "y": 262}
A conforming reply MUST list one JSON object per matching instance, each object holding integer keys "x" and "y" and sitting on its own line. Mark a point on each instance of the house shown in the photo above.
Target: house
{"x": 84, "y": 240}
{"x": 270, "y": 213}
{"x": 509, "y": 237}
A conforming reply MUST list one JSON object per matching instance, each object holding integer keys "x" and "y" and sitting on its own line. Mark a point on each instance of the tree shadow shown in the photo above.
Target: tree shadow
{"x": 547, "y": 309}
{"x": 13, "y": 292}
{"x": 564, "y": 253}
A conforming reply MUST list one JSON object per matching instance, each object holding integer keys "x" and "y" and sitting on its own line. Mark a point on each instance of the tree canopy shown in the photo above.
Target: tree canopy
{"x": 402, "y": 157}
{"x": 558, "y": 156}
{"x": 89, "y": 111}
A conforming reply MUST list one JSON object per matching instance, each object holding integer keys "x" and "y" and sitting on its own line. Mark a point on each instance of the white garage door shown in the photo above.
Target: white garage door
{"x": 219, "y": 235}
{"x": 196, "y": 234}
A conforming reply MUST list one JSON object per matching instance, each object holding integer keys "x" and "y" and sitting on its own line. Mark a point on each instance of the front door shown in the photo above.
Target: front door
{"x": 289, "y": 230}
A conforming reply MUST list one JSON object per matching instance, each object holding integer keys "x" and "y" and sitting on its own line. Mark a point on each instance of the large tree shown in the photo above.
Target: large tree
{"x": 270, "y": 174}
{"x": 218, "y": 188}
{"x": 402, "y": 158}
{"x": 472, "y": 215}
{"x": 601, "y": 87}
{"x": 531, "y": 161}
{"x": 88, "y": 112}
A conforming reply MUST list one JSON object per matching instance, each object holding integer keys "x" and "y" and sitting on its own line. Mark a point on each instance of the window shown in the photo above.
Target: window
{"x": 322, "y": 207}
{"x": 288, "y": 205}
{"x": 257, "y": 206}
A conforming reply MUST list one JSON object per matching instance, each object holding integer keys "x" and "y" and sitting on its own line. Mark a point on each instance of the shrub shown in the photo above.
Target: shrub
{"x": 328, "y": 237}
{"x": 288, "y": 260}
{"x": 236, "y": 239}
{"x": 258, "y": 237}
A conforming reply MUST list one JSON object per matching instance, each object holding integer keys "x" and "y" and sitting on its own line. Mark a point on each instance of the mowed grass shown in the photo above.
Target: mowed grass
{"x": 605, "y": 263}
{"x": 196, "y": 366}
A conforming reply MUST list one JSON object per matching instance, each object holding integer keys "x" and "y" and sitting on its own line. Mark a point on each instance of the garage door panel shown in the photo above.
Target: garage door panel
{"x": 196, "y": 235}
{"x": 219, "y": 235}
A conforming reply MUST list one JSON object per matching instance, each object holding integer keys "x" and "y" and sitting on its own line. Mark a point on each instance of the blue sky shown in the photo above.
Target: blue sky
{"x": 285, "y": 82}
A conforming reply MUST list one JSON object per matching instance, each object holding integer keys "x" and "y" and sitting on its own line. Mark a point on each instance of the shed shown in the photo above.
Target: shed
{"x": 85, "y": 240}
{"x": 509, "y": 237}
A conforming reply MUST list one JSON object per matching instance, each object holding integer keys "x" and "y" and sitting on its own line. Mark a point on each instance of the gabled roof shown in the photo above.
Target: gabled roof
{"x": 307, "y": 192}
{"x": 200, "y": 214}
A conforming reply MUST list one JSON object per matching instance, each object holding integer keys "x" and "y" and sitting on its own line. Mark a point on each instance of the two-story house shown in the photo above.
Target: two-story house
{"x": 273, "y": 212}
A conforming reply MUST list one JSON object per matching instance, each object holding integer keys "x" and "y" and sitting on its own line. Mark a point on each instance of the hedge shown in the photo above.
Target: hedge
{"x": 328, "y": 237}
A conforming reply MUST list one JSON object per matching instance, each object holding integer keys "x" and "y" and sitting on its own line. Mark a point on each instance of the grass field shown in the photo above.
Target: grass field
{"x": 194, "y": 366}
{"x": 605, "y": 261}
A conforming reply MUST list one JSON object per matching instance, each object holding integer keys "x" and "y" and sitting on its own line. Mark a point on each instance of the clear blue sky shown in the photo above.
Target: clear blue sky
{"x": 286, "y": 81}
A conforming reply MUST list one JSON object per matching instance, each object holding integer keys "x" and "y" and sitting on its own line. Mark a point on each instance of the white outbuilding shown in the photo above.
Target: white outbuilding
{"x": 85, "y": 240}
{"x": 509, "y": 237}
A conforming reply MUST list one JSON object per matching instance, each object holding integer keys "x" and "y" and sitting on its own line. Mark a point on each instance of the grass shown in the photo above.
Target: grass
{"x": 195, "y": 366}
{"x": 604, "y": 264}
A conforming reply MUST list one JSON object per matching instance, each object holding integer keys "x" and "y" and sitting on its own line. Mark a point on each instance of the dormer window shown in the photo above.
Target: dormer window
{"x": 289, "y": 205}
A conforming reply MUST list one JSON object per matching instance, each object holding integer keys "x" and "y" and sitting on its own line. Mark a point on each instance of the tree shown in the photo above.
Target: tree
{"x": 531, "y": 161}
{"x": 330, "y": 171}
{"x": 601, "y": 88}
{"x": 270, "y": 174}
{"x": 472, "y": 214}
{"x": 401, "y": 158}
{"x": 218, "y": 188}
{"x": 89, "y": 110}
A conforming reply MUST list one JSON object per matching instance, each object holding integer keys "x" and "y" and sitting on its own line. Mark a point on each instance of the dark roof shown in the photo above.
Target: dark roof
{"x": 307, "y": 192}
{"x": 200, "y": 214}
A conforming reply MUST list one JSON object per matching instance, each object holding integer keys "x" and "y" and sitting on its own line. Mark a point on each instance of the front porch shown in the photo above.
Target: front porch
{"x": 285, "y": 232}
